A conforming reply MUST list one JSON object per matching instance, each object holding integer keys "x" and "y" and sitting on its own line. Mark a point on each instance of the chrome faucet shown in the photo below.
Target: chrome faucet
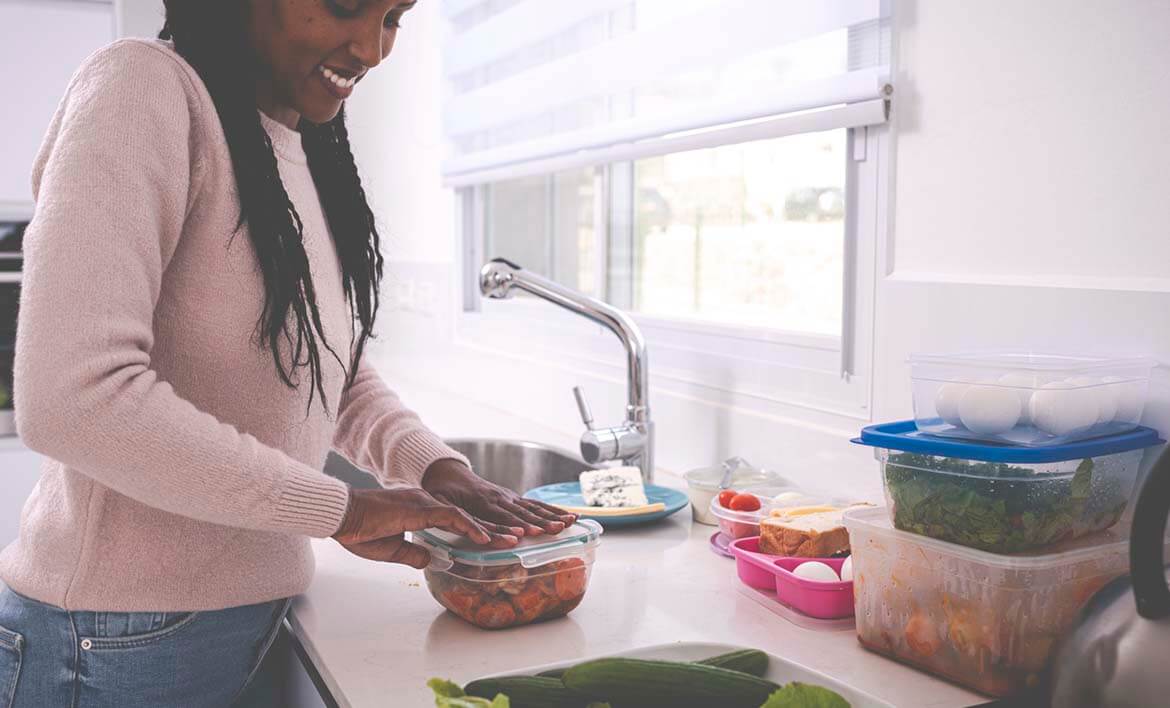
{"x": 632, "y": 442}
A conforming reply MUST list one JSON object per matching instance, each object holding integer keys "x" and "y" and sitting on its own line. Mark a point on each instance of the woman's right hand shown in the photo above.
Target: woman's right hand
{"x": 377, "y": 519}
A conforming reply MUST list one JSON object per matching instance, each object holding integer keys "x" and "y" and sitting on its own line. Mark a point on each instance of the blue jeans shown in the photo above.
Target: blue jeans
{"x": 53, "y": 658}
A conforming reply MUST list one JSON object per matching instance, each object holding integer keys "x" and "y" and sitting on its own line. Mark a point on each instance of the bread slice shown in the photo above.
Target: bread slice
{"x": 819, "y": 534}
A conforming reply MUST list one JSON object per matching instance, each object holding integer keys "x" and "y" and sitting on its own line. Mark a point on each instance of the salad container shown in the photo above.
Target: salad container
{"x": 539, "y": 579}
{"x": 1028, "y": 399}
{"x": 1005, "y": 499}
{"x": 703, "y": 485}
{"x": 983, "y": 620}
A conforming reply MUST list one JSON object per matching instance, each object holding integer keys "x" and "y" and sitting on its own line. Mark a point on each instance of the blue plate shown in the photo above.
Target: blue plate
{"x": 569, "y": 494}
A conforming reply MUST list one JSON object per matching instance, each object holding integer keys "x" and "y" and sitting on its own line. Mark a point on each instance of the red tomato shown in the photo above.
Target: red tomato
{"x": 725, "y": 498}
{"x": 744, "y": 502}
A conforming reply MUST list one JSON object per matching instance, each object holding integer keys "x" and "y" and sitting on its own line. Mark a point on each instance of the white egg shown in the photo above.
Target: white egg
{"x": 1059, "y": 408}
{"x": 989, "y": 410}
{"x": 946, "y": 402}
{"x": 818, "y": 571}
{"x": 1130, "y": 398}
{"x": 847, "y": 569}
{"x": 1106, "y": 396}
{"x": 1022, "y": 385}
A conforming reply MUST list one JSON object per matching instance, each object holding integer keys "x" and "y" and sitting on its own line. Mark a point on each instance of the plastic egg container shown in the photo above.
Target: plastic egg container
{"x": 1027, "y": 399}
{"x": 821, "y": 588}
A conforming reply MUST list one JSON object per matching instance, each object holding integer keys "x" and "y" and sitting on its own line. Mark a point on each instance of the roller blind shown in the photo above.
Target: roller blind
{"x": 535, "y": 86}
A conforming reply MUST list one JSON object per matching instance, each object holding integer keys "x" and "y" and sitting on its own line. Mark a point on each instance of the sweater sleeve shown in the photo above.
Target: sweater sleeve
{"x": 376, "y": 432}
{"x": 112, "y": 184}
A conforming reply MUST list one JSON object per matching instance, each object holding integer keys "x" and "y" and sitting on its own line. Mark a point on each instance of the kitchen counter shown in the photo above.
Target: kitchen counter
{"x": 375, "y": 634}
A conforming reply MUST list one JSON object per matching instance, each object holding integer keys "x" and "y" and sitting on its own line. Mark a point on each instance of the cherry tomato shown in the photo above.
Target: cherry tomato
{"x": 744, "y": 502}
{"x": 725, "y": 498}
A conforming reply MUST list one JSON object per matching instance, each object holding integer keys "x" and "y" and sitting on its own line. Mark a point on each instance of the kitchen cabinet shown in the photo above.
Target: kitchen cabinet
{"x": 42, "y": 42}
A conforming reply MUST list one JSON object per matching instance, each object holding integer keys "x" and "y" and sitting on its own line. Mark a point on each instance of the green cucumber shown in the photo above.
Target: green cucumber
{"x": 748, "y": 661}
{"x": 553, "y": 673}
{"x": 648, "y": 684}
{"x": 527, "y": 691}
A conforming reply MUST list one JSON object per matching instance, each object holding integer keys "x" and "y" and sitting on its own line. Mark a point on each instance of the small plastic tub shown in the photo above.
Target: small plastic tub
{"x": 1028, "y": 399}
{"x": 821, "y": 600}
{"x": 983, "y": 620}
{"x": 539, "y": 579}
{"x": 703, "y": 485}
{"x": 1005, "y": 499}
{"x": 742, "y": 524}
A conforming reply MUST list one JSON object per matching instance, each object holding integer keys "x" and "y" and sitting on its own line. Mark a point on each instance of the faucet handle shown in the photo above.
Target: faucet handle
{"x": 583, "y": 407}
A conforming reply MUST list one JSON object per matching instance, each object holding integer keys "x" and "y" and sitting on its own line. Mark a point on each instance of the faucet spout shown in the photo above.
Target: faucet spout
{"x": 633, "y": 442}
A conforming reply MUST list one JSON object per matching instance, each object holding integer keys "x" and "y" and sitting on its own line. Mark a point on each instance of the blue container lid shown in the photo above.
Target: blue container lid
{"x": 904, "y": 435}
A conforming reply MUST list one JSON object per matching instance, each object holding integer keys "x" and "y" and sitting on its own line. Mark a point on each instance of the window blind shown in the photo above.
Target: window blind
{"x": 536, "y": 86}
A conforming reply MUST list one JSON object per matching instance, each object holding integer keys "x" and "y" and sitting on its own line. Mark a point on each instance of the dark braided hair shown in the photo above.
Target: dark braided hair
{"x": 212, "y": 36}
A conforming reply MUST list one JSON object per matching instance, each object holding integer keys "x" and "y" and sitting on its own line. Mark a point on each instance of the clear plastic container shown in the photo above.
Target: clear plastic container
{"x": 1005, "y": 499}
{"x": 986, "y": 621}
{"x": 703, "y": 485}
{"x": 539, "y": 579}
{"x": 1028, "y": 399}
{"x": 742, "y": 524}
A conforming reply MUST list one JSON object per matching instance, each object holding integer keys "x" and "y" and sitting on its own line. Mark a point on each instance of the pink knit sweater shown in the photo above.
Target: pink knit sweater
{"x": 181, "y": 473}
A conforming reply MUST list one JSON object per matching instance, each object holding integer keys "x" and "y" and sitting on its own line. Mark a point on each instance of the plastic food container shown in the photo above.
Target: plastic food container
{"x": 1005, "y": 499}
{"x": 539, "y": 579}
{"x": 1028, "y": 399}
{"x": 742, "y": 524}
{"x": 822, "y": 600}
{"x": 703, "y": 485}
{"x": 986, "y": 621}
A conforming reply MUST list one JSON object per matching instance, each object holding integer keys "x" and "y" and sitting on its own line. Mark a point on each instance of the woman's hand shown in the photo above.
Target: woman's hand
{"x": 376, "y": 520}
{"x": 453, "y": 482}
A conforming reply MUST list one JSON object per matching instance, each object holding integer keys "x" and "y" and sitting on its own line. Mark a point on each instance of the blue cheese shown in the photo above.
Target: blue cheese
{"x": 613, "y": 487}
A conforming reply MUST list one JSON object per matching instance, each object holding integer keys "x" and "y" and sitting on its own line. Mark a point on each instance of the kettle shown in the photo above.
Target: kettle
{"x": 1118, "y": 655}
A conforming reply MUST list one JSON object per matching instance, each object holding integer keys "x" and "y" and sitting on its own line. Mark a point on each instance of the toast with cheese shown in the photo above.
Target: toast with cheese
{"x": 806, "y": 533}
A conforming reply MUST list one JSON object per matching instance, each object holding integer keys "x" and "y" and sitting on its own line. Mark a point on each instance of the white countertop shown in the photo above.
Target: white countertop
{"x": 375, "y": 633}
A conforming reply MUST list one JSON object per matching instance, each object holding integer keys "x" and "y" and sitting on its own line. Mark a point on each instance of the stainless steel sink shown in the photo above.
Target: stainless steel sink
{"x": 515, "y": 464}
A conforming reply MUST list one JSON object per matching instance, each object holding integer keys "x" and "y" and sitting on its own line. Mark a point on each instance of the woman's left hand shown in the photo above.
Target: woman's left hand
{"x": 453, "y": 482}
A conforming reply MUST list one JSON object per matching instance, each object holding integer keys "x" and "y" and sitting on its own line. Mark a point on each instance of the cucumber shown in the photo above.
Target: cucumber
{"x": 527, "y": 691}
{"x": 553, "y": 673}
{"x": 748, "y": 661}
{"x": 651, "y": 684}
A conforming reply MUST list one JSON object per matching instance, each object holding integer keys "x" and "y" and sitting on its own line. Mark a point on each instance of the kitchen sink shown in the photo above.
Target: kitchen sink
{"x": 515, "y": 464}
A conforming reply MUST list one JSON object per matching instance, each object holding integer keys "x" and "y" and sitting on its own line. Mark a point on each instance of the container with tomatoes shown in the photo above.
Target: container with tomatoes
{"x": 541, "y": 578}
{"x": 739, "y": 511}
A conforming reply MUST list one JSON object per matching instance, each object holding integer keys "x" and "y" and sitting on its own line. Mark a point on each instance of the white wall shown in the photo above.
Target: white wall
{"x": 139, "y": 18}
{"x": 1029, "y": 210}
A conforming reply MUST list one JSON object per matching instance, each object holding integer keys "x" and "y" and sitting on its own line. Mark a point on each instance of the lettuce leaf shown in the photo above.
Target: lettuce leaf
{"x": 449, "y": 695}
{"x": 802, "y": 695}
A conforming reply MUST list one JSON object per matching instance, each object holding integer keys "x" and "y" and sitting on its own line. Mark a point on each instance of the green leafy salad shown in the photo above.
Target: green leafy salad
{"x": 997, "y": 507}
{"x": 733, "y": 680}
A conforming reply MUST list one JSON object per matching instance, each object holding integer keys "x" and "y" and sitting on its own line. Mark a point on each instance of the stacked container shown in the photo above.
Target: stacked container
{"x": 1003, "y": 503}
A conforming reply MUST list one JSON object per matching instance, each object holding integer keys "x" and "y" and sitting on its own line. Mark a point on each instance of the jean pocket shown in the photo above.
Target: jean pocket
{"x": 11, "y": 652}
{"x": 124, "y": 630}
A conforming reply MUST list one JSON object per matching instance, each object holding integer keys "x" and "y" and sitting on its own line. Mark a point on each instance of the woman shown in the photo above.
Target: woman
{"x": 201, "y": 250}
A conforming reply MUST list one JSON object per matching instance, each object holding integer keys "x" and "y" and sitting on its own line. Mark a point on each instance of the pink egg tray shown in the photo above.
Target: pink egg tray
{"x": 822, "y": 600}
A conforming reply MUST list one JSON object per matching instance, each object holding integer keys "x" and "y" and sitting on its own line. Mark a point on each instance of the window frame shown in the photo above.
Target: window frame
{"x": 830, "y": 374}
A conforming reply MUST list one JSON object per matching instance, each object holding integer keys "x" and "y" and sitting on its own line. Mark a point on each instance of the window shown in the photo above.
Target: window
{"x": 708, "y": 165}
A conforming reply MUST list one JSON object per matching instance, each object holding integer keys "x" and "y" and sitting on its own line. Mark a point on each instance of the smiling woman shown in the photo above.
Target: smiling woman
{"x": 186, "y": 386}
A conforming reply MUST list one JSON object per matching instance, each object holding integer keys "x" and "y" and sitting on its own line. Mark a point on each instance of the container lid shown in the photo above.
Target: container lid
{"x": 532, "y": 551}
{"x": 745, "y": 475}
{"x": 1032, "y": 361}
{"x": 904, "y": 435}
{"x": 1106, "y": 544}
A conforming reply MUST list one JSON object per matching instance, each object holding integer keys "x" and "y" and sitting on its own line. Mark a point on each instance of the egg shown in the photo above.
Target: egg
{"x": 1130, "y": 398}
{"x": 847, "y": 569}
{"x": 817, "y": 571}
{"x": 989, "y": 410}
{"x": 1106, "y": 396}
{"x": 1022, "y": 385}
{"x": 946, "y": 402}
{"x": 1059, "y": 408}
